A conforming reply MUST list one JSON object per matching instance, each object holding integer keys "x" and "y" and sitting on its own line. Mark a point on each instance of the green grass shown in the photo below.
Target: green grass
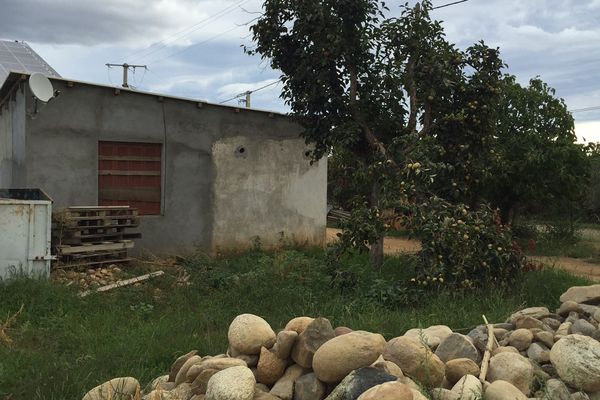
{"x": 64, "y": 345}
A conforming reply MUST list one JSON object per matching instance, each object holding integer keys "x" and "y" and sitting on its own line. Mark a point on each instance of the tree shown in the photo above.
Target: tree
{"x": 379, "y": 89}
{"x": 537, "y": 162}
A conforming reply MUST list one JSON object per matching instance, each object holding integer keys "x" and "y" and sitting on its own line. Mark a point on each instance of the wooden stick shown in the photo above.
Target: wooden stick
{"x": 488, "y": 350}
{"x": 125, "y": 282}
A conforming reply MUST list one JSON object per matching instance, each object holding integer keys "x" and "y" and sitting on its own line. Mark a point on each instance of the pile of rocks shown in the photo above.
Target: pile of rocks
{"x": 90, "y": 279}
{"x": 534, "y": 354}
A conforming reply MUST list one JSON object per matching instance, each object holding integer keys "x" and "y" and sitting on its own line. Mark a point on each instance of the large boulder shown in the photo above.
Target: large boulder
{"x": 577, "y": 362}
{"x": 235, "y": 383}
{"x": 248, "y": 333}
{"x": 512, "y": 368}
{"x": 314, "y": 336}
{"x": 582, "y": 294}
{"x": 116, "y": 389}
{"x": 416, "y": 360}
{"x": 358, "y": 382}
{"x": 457, "y": 346}
{"x": 341, "y": 355}
{"x": 388, "y": 391}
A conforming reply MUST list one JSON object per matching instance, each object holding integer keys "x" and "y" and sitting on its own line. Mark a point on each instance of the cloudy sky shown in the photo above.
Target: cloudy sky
{"x": 193, "y": 47}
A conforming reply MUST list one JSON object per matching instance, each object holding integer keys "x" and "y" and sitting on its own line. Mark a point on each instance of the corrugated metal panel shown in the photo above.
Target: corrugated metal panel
{"x": 19, "y": 57}
{"x": 130, "y": 174}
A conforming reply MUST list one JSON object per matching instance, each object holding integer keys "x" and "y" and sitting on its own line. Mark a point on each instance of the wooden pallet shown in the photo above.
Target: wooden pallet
{"x": 94, "y": 236}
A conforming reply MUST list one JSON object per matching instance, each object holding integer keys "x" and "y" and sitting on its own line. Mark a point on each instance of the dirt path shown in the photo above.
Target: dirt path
{"x": 576, "y": 266}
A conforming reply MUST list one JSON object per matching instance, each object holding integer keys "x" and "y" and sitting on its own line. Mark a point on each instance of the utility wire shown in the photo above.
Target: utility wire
{"x": 586, "y": 109}
{"x": 449, "y": 4}
{"x": 237, "y": 96}
{"x": 185, "y": 32}
{"x": 204, "y": 41}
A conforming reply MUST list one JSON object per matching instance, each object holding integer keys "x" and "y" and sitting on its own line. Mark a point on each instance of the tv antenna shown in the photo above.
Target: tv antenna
{"x": 126, "y": 67}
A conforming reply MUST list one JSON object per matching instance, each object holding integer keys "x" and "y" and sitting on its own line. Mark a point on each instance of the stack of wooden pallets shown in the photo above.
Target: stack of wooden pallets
{"x": 94, "y": 236}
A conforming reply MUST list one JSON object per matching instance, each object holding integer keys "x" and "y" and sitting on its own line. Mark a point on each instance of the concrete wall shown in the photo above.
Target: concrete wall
{"x": 267, "y": 190}
{"x": 62, "y": 159}
{"x": 12, "y": 141}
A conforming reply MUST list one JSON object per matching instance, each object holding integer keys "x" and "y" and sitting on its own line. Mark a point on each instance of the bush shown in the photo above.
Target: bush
{"x": 463, "y": 247}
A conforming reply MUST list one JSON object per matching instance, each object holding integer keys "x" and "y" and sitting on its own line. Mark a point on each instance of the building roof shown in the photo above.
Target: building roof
{"x": 18, "y": 56}
{"x": 14, "y": 77}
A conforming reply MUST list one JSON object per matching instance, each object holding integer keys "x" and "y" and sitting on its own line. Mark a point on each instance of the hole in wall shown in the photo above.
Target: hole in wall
{"x": 241, "y": 151}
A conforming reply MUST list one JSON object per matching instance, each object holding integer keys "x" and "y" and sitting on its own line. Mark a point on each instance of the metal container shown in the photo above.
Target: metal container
{"x": 25, "y": 233}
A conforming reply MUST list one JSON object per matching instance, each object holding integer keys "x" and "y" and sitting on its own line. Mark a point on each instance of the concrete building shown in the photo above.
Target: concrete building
{"x": 205, "y": 176}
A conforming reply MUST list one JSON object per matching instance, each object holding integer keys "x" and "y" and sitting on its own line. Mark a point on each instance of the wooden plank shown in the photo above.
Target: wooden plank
{"x": 125, "y": 244}
{"x": 128, "y": 158}
{"x": 150, "y": 194}
{"x": 113, "y": 172}
{"x": 100, "y": 226}
{"x": 98, "y": 263}
{"x": 125, "y": 282}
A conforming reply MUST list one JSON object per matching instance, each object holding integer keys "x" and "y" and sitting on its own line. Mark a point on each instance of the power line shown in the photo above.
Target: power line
{"x": 449, "y": 4}
{"x": 187, "y": 31}
{"x": 249, "y": 92}
{"x": 204, "y": 41}
{"x": 586, "y": 109}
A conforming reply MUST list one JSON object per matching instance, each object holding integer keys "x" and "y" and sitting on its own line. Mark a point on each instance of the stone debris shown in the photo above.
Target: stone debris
{"x": 535, "y": 354}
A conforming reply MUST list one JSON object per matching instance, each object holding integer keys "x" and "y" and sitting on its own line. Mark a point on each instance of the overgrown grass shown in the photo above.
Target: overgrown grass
{"x": 64, "y": 345}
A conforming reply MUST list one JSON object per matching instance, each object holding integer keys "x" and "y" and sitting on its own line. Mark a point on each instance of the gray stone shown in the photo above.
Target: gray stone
{"x": 457, "y": 346}
{"x": 552, "y": 323}
{"x": 314, "y": 336}
{"x": 235, "y": 383}
{"x": 573, "y": 316}
{"x": 555, "y": 390}
{"x": 432, "y": 335}
{"x": 444, "y": 394}
{"x": 589, "y": 310}
{"x": 577, "y": 361}
{"x": 358, "y": 382}
{"x": 479, "y": 338}
{"x": 538, "y": 353}
{"x": 308, "y": 387}
{"x": 582, "y": 327}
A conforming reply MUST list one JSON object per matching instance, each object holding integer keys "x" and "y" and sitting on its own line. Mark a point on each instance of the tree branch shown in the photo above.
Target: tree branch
{"x": 367, "y": 131}
{"x": 412, "y": 93}
{"x": 426, "y": 120}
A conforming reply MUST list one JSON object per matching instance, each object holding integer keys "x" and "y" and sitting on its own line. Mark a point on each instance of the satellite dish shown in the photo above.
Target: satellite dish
{"x": 41, "y": 87}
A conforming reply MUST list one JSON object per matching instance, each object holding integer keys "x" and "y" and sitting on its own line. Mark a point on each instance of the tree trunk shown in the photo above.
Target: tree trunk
{"x": 376, "y": 251}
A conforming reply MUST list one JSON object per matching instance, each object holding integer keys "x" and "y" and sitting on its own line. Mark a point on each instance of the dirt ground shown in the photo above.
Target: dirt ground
{"x": 576, "y": 266}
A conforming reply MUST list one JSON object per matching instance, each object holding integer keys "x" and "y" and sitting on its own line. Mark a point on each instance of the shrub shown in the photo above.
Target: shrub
{"x": 463, "y": 247}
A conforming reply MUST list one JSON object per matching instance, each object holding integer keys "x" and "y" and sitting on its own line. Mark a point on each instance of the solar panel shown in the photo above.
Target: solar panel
{"x": 19, "y": 57}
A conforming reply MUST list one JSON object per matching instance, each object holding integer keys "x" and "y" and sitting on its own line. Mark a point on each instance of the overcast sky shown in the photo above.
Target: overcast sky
{"x": 193, "y": 47}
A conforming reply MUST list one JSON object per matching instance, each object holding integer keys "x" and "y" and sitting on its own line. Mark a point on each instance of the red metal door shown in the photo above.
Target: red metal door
{"x": 130, "y": 174}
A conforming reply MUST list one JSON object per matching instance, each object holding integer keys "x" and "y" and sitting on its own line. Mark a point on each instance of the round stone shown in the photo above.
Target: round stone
{"x": 415, "y": 360}
{"x": 341, "y": 355}
{"x": 235, "y": 383}
{"x": 513, "y": 368}
{"x": 248, "y": 333}
{"x": 388, "y": 391}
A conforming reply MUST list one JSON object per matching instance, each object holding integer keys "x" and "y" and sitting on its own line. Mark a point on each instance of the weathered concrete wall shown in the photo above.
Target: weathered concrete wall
{"x": 267, "y": 191}
{"x": 62, "y": 157}
{"x": 12, "y": 141}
